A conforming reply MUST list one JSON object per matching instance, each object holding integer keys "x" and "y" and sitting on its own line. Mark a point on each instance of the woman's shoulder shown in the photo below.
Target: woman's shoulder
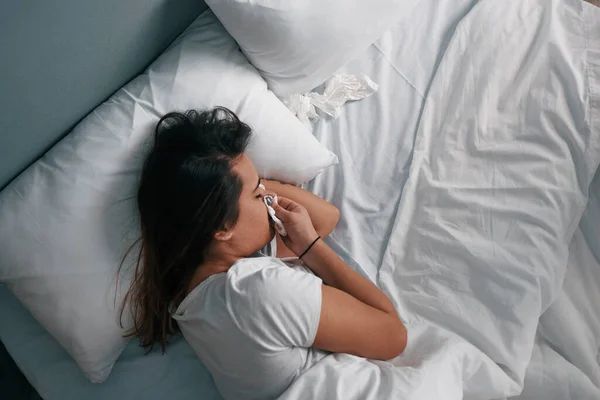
{"x": 248, "y": 280}
{"x": 255, "y": 266}
{"x": 264, "y": 273}
{"x": 246, "y": 273}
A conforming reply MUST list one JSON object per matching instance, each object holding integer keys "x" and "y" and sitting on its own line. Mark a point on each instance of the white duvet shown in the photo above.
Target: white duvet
{"x": 504, "y": 152}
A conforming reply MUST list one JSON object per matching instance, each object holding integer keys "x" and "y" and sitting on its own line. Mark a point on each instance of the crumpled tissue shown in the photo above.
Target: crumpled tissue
{"x": 338, "y": 90}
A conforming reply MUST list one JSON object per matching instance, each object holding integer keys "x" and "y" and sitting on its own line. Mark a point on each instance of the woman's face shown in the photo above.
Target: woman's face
{"x": 253, "y": 229}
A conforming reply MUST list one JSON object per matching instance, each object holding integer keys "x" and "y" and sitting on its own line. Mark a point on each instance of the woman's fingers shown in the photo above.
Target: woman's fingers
{"x": 280, "y": 208}
{"x": 284, "y": 202}
{"x": 295, "y": 218}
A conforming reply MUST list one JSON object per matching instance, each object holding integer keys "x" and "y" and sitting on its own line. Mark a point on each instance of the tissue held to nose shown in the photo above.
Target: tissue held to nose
{"x": 269, "y": 200}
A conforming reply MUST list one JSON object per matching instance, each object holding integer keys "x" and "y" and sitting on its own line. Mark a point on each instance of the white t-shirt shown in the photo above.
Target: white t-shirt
{"x": 253, "y": 326}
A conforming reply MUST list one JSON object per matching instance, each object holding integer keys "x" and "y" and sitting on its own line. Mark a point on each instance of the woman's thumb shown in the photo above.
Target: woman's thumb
{"x": 281, "y": 212}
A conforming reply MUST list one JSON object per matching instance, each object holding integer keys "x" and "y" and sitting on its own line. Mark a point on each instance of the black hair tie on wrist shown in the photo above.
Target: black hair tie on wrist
{"x": 309, "y": 247}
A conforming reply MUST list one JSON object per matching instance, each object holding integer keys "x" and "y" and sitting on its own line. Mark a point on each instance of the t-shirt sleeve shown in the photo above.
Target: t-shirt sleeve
{"x": 280, "y": 306}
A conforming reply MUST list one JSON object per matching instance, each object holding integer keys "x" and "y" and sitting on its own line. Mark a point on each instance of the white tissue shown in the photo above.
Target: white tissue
{"x": 338, "y": 90}
{"x": 302, "y": 108}
{"x": 341, "y": 88}
{"x": 276, "y": 221}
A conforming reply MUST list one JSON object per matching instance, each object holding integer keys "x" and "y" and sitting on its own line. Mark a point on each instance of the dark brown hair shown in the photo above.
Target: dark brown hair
{"x": 187, "y": 192}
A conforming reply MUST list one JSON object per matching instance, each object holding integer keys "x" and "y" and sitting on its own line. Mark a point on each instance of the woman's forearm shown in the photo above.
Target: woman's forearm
{"x": 323, "y": 215}
{"x": 328, "y": 266}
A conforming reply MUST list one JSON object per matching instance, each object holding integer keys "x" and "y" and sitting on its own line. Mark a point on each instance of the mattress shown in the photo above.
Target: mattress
{"x": 373, "y": 139}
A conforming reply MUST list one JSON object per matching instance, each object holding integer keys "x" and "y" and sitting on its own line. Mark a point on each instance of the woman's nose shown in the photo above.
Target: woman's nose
{"x": 269, "y": 194}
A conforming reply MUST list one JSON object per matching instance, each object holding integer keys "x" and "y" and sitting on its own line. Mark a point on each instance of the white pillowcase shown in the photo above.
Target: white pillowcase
{"x": 66, "y": 222}
{"x": 297, "y": 45}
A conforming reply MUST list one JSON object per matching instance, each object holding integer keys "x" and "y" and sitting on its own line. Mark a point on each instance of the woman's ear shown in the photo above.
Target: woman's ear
{"x": 224, "y": 235}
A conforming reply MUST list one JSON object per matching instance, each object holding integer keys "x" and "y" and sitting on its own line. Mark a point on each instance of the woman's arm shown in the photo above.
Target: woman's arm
{"x": 323, "y": 215}
{"x": 356, "y": 316}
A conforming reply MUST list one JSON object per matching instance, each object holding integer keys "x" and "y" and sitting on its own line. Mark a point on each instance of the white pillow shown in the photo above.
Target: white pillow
{"x": 66, "y": 222}
{"x": 297, "y": 45}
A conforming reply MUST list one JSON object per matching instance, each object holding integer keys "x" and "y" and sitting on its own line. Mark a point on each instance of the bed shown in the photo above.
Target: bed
{"x": 374, "y": 140}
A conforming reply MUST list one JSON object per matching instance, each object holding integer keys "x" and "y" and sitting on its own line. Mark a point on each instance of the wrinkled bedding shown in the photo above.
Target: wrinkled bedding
{"x": 504, "y": 151}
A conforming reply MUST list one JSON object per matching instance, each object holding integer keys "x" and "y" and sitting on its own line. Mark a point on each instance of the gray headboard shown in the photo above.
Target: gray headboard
{"x": 59, "y": 59}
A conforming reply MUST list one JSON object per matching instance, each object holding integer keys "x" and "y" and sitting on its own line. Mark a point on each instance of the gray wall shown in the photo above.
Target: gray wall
{"x": 61, "y": 58}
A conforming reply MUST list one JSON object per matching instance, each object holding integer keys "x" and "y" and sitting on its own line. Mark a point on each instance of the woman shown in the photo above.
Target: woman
{"x": 208, "y": 261}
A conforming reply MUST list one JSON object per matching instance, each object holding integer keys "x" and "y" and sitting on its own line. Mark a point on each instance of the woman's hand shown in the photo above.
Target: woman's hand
{"x": 323, "y": 215}
{"x": 300, "y": 230}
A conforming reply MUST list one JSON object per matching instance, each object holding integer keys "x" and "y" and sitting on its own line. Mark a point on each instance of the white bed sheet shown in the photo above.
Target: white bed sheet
{"x": 373, "y": 139}
{"x": 370, "y": 204}
{"x": 566, "y": 360}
